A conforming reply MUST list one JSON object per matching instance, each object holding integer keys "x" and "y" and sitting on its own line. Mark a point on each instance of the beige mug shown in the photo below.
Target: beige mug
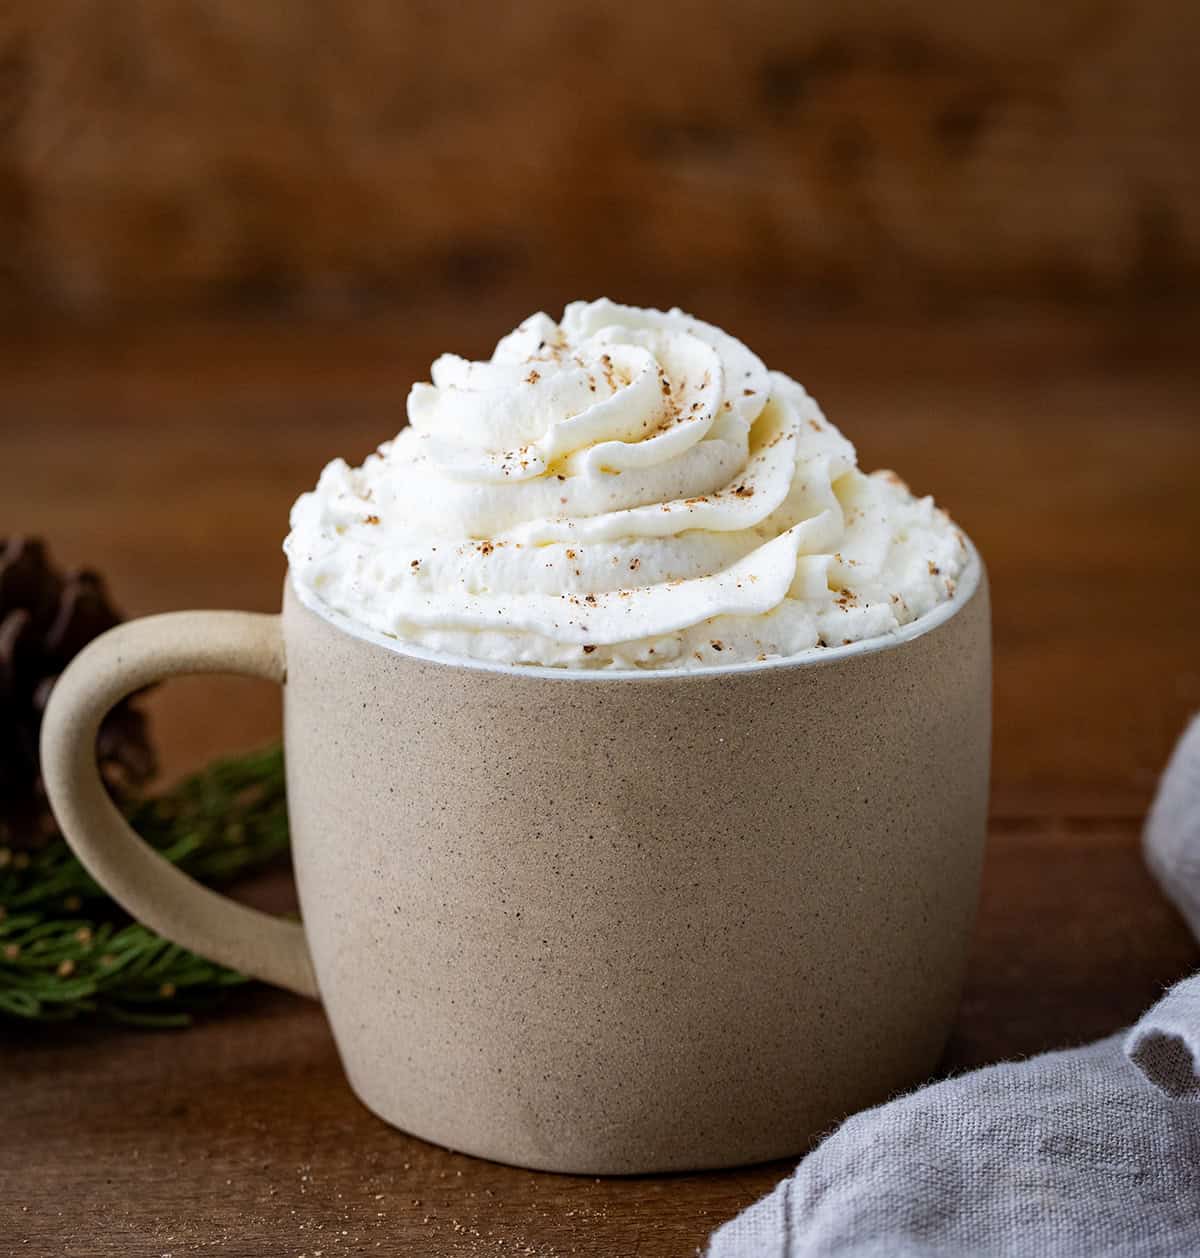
{"x": 590, "y": 922}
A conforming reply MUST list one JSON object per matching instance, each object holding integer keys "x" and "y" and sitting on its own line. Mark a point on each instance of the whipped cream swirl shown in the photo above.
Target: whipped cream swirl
{"x": 625, "y": 488}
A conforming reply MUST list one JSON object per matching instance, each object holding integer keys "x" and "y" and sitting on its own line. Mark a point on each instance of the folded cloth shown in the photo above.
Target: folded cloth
{"x": 1172, "y": 838}
{"x": 1085, "y": 1153}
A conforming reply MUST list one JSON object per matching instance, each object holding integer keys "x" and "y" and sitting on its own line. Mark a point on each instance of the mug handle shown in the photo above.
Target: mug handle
{"x": 117, "y": 663}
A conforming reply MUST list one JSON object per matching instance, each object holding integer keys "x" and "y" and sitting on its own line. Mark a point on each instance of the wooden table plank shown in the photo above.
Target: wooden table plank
{"x": 241, "y": 1137}
{"x": 169, "y": 457}
{"x": 1069, "y": 449}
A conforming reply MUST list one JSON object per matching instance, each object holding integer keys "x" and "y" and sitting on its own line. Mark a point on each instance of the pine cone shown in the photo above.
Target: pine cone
{"x": 46, "y": 618}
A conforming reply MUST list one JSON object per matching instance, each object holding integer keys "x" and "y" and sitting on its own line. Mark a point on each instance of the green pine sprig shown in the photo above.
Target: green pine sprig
{"x": 65, "y": 948}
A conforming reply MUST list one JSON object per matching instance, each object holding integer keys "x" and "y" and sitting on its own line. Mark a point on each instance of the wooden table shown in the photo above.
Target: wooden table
{"x": 168, "y": 457}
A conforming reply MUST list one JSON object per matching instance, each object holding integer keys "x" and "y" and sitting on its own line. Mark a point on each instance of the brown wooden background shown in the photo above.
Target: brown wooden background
{"x": 232, "y": 232}
{"x": 330, "y": 155}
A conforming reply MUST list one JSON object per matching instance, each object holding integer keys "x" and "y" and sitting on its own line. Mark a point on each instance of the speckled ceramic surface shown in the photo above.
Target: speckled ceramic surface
{"x": 603, "y": 924}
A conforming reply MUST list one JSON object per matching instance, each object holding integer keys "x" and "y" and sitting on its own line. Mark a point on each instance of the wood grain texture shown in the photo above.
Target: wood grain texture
{"x": 241, "y": 1138}
{"x": 159, "y": 155}
{"x": 168, "y": 456}
{"x": 1069, "y": 449}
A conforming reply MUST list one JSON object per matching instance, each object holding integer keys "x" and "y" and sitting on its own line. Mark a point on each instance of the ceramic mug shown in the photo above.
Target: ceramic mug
{"x": 584, "y": 921}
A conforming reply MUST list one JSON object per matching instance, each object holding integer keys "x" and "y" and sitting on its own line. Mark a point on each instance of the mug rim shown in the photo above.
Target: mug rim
{"x": 967, "y": 586}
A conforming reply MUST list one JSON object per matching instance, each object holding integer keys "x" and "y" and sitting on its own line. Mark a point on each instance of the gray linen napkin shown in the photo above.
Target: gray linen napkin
{"x": 1090, "y": 1152}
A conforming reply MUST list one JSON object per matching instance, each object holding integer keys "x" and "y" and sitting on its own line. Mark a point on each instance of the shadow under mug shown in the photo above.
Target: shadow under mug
{"x": 590, "y": 922}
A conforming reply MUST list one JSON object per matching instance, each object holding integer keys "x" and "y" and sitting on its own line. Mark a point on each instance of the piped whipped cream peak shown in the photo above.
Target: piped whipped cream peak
{"x": 625, "y": 488}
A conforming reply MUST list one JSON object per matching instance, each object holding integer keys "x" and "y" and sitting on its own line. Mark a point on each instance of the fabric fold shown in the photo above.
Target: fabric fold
{"x": 1165, "y": 1043}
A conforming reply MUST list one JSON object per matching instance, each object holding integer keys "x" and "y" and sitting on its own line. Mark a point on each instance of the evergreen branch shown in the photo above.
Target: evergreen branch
{"x": 56, "y": 963}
